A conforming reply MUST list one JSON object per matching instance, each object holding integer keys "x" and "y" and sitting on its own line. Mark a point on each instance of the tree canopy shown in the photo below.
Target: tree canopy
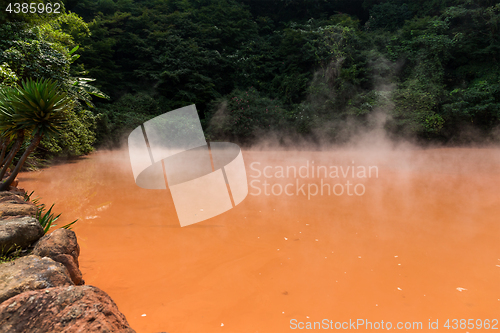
{"x": 302, "y": 67}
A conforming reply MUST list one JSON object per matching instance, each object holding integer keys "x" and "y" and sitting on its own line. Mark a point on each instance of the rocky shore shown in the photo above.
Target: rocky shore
{"x": 43, "y": 290}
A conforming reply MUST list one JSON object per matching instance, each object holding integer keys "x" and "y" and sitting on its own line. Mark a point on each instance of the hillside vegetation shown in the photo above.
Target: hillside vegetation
{"x": 323, "y": 70}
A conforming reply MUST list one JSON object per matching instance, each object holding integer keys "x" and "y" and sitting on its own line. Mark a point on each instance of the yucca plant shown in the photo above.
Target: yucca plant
{"x": 46, "y": 218}
{"x": 38, "y": 106}
{"x": 4, "y": 143}
{"x": 9, "y": 129}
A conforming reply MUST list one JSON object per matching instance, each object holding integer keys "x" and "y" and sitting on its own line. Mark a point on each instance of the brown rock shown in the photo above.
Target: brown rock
{"x": 31, "y": 273}
{"x": 61, "y": 246}
{"x": 18, "y": 191}
{"x": 19, "y": 232}
{"x": 10, "y": 195}
{"x": 12, "y": 204}
{"x": 63, "y": 309}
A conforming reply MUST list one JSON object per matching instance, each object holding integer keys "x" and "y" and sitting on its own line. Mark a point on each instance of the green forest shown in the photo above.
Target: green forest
{"x": 318, "y": 70}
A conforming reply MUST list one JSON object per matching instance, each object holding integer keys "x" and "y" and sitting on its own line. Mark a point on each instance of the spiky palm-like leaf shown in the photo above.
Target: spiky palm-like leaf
{"x": 8, "y": 127}
{"x": 10, "y": 130}
{"x": 40, "y": 106}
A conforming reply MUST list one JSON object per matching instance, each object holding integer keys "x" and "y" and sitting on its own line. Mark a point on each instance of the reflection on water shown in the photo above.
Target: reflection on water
{"x": 421, "y": 243}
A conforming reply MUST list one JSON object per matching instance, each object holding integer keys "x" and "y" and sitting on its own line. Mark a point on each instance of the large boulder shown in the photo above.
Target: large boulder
{"x": 12, "y": 204}
{"x": 9, "y": 195}
{"x": 31, "y": 273}
{"x": 61, "y": 246}
{"x": 62, "y": 309}
{"x": 18, "y": 191}
{"x": 19, "y": 232}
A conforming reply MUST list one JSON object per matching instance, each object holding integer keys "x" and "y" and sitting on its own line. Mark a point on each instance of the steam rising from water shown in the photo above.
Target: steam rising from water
{"x": 421, "y": 243}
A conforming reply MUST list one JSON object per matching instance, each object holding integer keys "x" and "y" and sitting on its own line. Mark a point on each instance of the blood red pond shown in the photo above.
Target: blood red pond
{"x": 415, "y": 241}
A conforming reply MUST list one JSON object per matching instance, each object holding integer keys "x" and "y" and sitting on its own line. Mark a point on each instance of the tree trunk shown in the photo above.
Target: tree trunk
{"x": 5, "y": 144}
{"x": 34, "y": 143}
{"x": 15, "y": 148}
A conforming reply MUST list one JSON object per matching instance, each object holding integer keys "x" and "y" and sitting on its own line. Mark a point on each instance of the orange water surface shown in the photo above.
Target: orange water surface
{"x": 422, "y": 244}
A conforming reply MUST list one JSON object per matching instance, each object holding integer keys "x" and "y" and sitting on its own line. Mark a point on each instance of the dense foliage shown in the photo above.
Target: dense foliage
{"x": 311, "y": 68}
{"x": 43, "y": 47}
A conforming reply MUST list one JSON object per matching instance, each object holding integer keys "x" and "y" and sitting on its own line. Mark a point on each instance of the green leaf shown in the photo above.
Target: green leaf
{"x": 74, "y": 49}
